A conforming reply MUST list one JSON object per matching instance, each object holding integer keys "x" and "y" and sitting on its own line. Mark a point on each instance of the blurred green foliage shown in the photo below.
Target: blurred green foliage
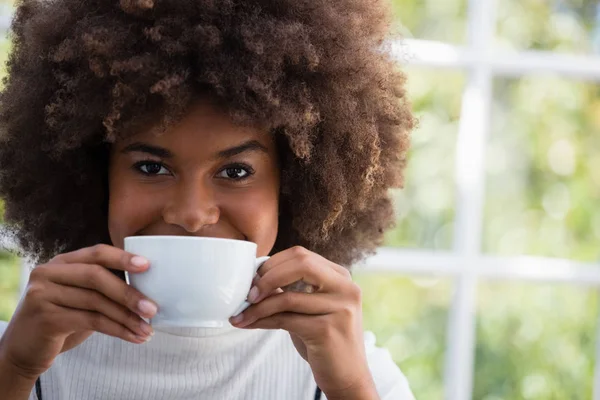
{"x": 558, "y": 25}
{"x": 425, "y": 207}
{"x": 9, "y": 285}
{"x": 444, "y": 20}
{"x": 534, "y": 341}
{"x": 409, "y": 317}
{"x": 543, "y": 159}
{"x": 9, "y": 265}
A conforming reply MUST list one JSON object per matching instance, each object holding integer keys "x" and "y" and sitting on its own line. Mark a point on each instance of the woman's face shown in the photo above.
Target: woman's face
{"x": 203, "y": 177}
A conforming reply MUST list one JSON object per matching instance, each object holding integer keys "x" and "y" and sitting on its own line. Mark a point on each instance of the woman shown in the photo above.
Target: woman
{"x": 279, "y": 122}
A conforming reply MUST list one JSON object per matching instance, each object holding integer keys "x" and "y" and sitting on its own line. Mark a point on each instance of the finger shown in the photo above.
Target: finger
{"x": 276, "y": 259}
{"x": 302, "y": 254}
{"x": 255, "y": 282}
{"x": 345, "y": 272}
{"x": 299, "y": 303}
{"x": 98, "y": 278}
{"x": 105, "y": 255}
{"x": 90, "y": 300}
{"x": 303, "y": 325}
{"x": 274, "y": 292}
{"x": 293, "y": 270}
{"x": 94, "y": 321}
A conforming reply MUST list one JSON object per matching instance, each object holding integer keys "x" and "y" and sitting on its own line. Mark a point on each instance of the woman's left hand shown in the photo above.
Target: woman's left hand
{"x": 325, "y": 325}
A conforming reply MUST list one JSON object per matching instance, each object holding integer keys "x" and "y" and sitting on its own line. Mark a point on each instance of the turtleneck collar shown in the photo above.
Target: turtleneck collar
{"x": 198, "y": 332}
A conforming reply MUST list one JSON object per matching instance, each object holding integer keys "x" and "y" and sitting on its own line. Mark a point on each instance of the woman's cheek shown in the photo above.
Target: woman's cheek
{"x": 256, "y": 215}
{"x": 130, "y": 210}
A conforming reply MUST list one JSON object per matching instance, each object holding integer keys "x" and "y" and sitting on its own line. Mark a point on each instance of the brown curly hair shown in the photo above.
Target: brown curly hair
{"x": 83, "y": 73}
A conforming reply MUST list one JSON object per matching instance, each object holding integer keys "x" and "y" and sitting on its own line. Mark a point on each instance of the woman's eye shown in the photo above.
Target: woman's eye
{"x": 152, "y": 168}
{"x": 235, "y": 173}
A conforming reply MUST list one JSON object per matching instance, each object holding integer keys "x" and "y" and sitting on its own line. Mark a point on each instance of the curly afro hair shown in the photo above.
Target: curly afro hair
{"x": 83, "y": 73}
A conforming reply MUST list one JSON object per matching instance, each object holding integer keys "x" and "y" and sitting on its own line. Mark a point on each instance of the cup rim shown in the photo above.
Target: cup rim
{"x": 188, "y": 238}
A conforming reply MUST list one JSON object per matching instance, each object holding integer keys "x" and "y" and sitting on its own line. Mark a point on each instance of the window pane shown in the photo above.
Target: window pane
{"x": 432, "y": 19}
{"x": 5, "y": 46}
{"x": 425, "y": 207}
{"x": 9, "y": 265}
{"x": 565, "y": 26}
{"x": 409, "y": 316}
{"x": 9, "y": 285}
{"x": 10, "y": 275}
{"x": 543, "y": 169}
{"x": 535, "y": 342}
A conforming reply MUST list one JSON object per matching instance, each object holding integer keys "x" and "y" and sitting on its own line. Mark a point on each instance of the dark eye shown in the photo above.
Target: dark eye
{"x": 235, "y": 173}
{"x": 152, "y": 168}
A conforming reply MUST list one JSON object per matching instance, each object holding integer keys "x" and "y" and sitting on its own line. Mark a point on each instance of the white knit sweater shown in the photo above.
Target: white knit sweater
{"x": 194, "y": 363}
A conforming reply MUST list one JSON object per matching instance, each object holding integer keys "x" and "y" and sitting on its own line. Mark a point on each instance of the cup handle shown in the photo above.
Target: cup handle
{"x": 259, "y": 262}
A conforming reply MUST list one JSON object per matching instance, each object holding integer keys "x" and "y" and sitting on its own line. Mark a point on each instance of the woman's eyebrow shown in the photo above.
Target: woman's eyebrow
{"x": 250, "y": 145}
{"x": 146, "y": 148}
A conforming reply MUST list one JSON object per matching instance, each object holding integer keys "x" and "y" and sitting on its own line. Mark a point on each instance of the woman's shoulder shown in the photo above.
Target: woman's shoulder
{"x": 389, "y": 379}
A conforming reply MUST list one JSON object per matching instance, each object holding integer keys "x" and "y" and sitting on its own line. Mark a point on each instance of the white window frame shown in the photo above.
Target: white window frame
{"x": 466, "y": 264}
{"x": 481, "y": 62}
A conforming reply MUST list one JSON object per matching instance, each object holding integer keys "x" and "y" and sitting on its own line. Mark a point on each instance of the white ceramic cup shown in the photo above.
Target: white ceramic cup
{"x": 196, "y": 281}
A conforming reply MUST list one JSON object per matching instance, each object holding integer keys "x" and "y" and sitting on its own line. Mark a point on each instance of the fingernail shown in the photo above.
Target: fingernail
{"x": 138, "y": 261}
{"x": 146, "y": 328}
{"x": 145, "y": 339}
{"x": 147, "y": 308}
{"x": 253, "y": 295}
{"x": 237, "y": 319}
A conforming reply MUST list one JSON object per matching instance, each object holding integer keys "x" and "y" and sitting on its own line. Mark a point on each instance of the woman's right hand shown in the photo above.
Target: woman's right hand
{"x": 69, "y": 298}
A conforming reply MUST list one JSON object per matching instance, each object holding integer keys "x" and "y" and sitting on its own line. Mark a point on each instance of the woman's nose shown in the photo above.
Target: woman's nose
{"x": 192, "y": 207}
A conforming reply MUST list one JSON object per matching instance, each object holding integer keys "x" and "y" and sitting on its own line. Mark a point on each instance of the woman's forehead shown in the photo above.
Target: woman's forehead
{"x": 202, "y": 126}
